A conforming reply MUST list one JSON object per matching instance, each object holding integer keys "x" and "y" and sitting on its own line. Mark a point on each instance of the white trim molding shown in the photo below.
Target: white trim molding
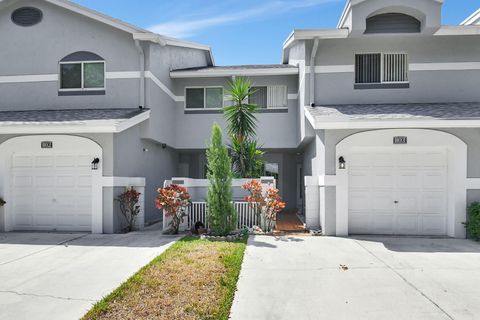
{"x": 29, "y": 78}
{"x": 447, "y": 66}
{"x": 473, "y": 18}
{"x": 93, "y": 126}
{"x": 245, "y": 72}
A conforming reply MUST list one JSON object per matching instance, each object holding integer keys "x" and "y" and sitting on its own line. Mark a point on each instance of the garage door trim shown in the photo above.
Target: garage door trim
{"x": 456, "y": 174}
{"x": 22, "y": 143}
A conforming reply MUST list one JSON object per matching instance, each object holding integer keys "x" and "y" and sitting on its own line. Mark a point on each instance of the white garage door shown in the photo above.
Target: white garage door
{"x": 398, "y": 191}
{"x": 51, "y": 192}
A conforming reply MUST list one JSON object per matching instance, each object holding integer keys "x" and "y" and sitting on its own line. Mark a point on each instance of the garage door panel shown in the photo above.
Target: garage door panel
{"x": 408, "y": 179}
{"x": 358, "y": 179}
{"x": 408, "y": 224}
{"x": 66, "y": 181}
{"x": 408, "y": 159}
{"x": 44, "y": 162}
{"x": 23, "y": 161}
{"x": 382, "y": 202}
{"x": 434, "y": 225}
{"x": 52, "y": 192}
{"x": 65, "y": 161}
{"x": 434, "y": 180}
{"x": 383, "y": 180}
{"x": 382, "y": 160}
{"x": 402, "y": 191}
{"x": 360, "y": 201}
{"x": 44, "y": 181}
{"x": 23, "y": 181}
{"x": 359, "y": 223}
{"x": 408, "y": 201}
{"x": 44, "y": 220}
{"x": 360, "y": 160}
{"x": 433, "y": 203}
{"x": 383, "y": 223}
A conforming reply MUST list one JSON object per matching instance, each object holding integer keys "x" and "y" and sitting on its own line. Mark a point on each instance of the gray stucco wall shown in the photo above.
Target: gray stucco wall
{"x": 37, "y": 50}
{"x": 425, "y": 86}
{"x": 156, "y": 164}
{"x": 160, "y": 61}
{"x": 275, "y": 130}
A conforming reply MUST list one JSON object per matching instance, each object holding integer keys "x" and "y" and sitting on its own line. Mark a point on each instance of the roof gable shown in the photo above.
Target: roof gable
{"x": 136, "y": 32}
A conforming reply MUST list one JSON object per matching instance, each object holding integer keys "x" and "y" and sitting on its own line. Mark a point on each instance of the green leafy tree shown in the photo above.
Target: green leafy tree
{"x": 241, "y": 125}
{"x": 221, "y": 213}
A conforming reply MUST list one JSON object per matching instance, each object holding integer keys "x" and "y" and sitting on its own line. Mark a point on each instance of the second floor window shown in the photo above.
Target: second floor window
{"x": 374, "y": 68}
{"x": 204, "y": 98}
{"x": 269, "y": 97}
{"x": 82, "y": 71}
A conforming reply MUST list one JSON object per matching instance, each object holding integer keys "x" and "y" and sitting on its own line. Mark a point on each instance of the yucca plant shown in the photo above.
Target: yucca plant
{"x": 248, "y": 154}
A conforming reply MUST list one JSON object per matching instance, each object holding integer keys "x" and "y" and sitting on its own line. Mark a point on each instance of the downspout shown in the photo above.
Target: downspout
{"x": 313, "y": 57}
{"x": 141, "y": 54}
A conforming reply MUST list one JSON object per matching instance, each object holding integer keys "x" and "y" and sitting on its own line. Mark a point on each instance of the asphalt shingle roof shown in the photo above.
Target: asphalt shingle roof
{"x": 71, "y": 115}
{"x": 410, "y": 111}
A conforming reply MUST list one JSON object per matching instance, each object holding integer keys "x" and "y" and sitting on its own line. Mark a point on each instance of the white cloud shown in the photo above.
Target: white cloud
{"x": 184, "y": 28}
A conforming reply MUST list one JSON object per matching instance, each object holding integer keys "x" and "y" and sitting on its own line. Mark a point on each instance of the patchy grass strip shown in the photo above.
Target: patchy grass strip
{"x": 193, "y": 279}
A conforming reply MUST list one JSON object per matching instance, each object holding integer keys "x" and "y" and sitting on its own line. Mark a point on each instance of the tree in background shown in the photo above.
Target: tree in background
{"x": 241, "y": 125}
{"x": 221, "y": 214}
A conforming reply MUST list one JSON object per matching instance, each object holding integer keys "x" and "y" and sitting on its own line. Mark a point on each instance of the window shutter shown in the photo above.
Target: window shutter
{"x": 277, "y": 97}
{"x": 395, "y": 67}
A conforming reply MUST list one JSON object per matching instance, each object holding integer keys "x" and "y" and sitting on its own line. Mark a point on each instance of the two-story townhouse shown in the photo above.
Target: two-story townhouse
{"x": 86, "y": 103}
{"x": 391, "y": 106}
{"x": 378, "y": 117}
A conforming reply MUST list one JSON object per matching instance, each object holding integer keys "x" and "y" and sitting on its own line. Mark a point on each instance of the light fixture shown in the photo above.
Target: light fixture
{"x": 342, "y": 164}
{"x": 95, "y": 163}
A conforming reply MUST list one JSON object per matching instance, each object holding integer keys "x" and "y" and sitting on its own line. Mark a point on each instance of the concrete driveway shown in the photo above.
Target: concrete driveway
{"x": 387, "y": 278}
{"x": 60, "y": 276}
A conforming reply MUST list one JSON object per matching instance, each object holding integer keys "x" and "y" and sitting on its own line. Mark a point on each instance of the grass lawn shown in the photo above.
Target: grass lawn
{"x": 193, "y": 279}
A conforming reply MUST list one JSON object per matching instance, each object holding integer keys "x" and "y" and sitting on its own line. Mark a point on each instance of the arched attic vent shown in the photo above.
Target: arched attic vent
{"x": 393, "y": 23}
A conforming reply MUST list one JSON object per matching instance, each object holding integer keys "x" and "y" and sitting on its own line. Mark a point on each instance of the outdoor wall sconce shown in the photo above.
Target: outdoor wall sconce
{"x": 342, "y": 164}
{"x": 95, "y": 163}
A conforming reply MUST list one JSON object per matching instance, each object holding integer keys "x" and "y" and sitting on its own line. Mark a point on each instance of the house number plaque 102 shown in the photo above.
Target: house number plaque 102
{"x": 47, "y": 144}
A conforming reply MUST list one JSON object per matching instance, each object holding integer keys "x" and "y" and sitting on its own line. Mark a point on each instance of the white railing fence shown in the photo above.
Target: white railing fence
{"x": 197, "y": 212}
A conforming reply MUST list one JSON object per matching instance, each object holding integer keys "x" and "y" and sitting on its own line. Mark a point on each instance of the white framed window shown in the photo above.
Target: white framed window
{"x": 269, "y": 97}
{"x": 82, "y": 75}
{"x": 375, "y": 68}
{"x": 204, "y": 98}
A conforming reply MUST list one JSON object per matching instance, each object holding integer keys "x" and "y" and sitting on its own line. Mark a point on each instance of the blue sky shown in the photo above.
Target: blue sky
{"x": 242, "y": 31}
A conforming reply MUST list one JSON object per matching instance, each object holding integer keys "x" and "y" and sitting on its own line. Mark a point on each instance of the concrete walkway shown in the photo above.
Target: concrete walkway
{"x": 362, "y": 278}
{"x": 60, "y": 276}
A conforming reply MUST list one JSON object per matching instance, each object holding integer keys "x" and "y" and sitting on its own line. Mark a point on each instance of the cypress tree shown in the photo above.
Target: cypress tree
{"x": 221, "y": 213}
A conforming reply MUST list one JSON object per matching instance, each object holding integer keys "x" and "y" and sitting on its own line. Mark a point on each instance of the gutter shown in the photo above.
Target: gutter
{"x": 141, "y": 55}
{"x": 312, "y": 71}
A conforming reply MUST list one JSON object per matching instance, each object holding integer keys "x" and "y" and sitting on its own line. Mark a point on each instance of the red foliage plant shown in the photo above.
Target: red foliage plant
{"x": 174, "y": 200}
{"x": 267, "y": 203}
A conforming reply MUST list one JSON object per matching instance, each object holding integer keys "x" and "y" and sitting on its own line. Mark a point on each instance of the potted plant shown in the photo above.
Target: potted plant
{"x": 174, "y": 201}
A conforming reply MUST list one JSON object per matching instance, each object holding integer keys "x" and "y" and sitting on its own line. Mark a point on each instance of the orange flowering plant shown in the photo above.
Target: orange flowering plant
{"x": 174, "y": 201}
{"x": 267, "y": 203}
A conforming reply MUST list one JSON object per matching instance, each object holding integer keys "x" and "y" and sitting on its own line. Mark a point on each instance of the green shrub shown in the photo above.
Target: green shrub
{"x": 221, "y": 213}
{"x": 473, "y": 223}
